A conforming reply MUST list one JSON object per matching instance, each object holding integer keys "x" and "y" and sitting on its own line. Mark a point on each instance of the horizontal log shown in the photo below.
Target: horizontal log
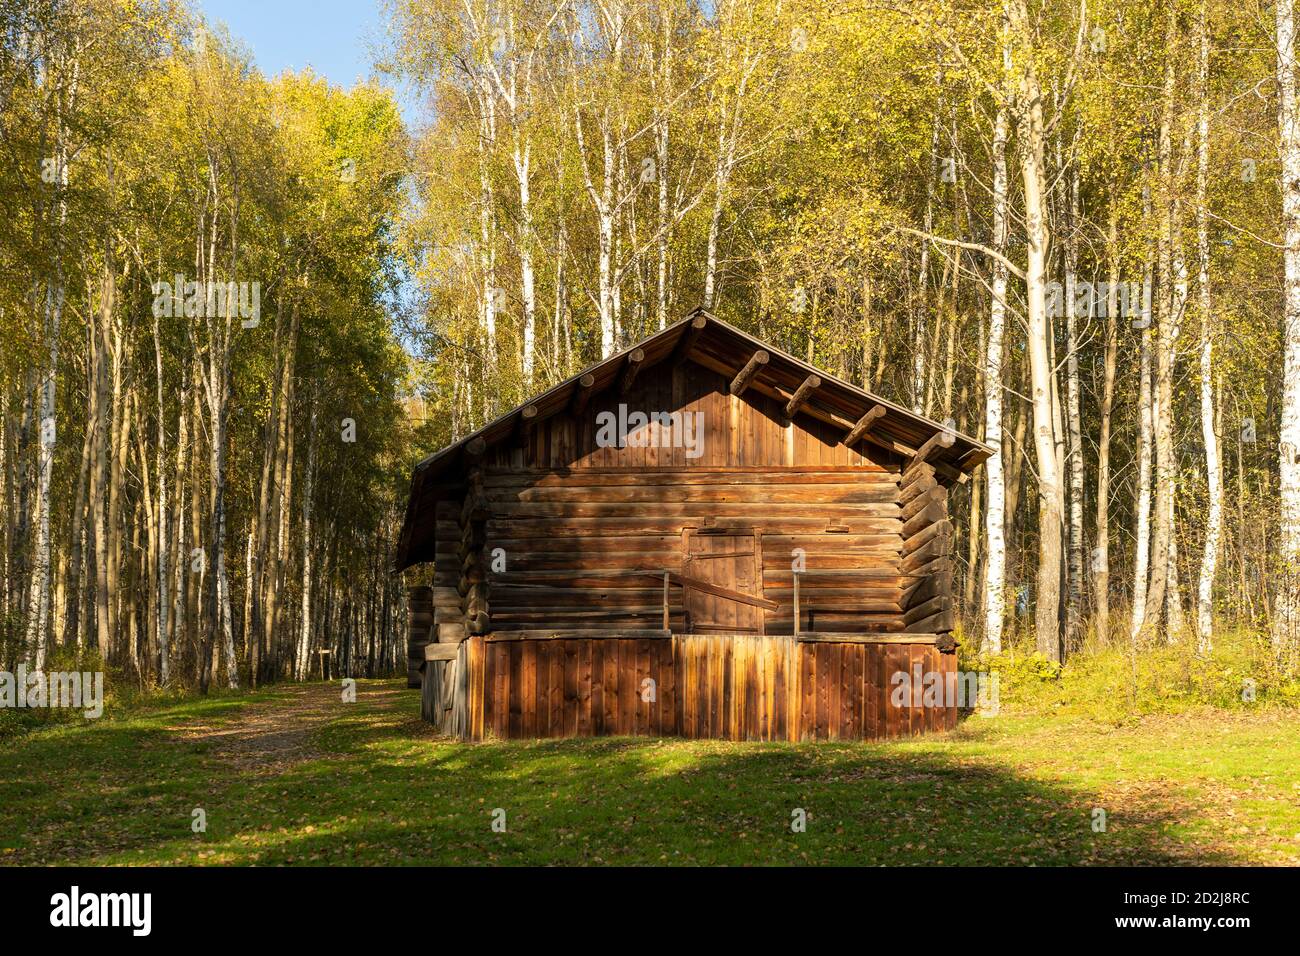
{"x": 774, "y": 511}
{"x": 925, "y": 588}
{"x": 441, "y": 652}
{"x": 846, "y": 605}
{"x": 937, "y": 530}
{"x": 937, "y": 623}
{"x": 858, "y": 563}
{"x": 812, "y": 594}
{"x": 508, "y": 599}
{"x": 522, "y": 527}
{"x": 583, "y": 612}
{"x": 854, "y": 621}
{"x": 917, "y": 473}
{"x": 525, "y": 545}
{"x": 936, "y": 511}
{"x": 938, "y": 547}
{"x": 923, "y": 500}
{"x": 909, "y": 493}
{"x": 835, "y": 637}
{"x": 626, "y": 634}
{"x": 864, "y": 492}
{"x": 927, "y": 609}
{"x": 937, "y": 566}
{"x": 698, "y": 475}
{"x": 451, "y": 633}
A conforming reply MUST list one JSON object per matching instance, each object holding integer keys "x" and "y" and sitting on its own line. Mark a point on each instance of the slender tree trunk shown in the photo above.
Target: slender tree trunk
{"x": 995, "y": 569}
{"x": 487, "y": 246}
{"x": 163, "y": 519}
{"x": 1074, "y": 425}
{"x": 1101, "y": 547}
{"x": 1213, "y": 465}
{"x": 301, "y": 661}
{"x": 526, "y": 277}
{"x": 1286, "y": 605}
{"x": 1166, "y": 321}
{"x": 1047, "y": 598}
{"x": 73, "y": 633}
{"x": 100, "y": 474}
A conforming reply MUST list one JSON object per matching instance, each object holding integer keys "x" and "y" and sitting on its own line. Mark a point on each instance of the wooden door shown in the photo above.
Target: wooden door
{"x": 730, "y": 561}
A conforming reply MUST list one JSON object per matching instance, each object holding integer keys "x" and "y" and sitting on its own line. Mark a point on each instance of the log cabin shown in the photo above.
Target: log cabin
{"x": 700, "y": 536}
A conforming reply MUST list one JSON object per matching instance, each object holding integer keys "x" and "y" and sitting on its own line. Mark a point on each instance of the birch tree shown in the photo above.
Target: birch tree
{"x": 1209, "y": 434}
{"x": 1286, "y": 609}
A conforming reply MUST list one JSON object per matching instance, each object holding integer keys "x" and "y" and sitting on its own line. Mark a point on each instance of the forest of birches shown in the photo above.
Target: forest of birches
{"x": 235, "y": 309}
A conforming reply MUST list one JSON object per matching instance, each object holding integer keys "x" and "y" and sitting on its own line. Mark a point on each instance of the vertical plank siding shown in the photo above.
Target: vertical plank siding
{"x": 705, "y": 686}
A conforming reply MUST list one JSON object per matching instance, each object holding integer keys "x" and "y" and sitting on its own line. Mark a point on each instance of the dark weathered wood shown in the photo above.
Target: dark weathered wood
{"x": 441, "y": 652}
{"x": 941, "y": 528}
{"x": 937, "y": 547}
{"x": 641, "y": 562}
{"x": 746, "y": 375}
{"x": 926, "y": 587}
{"x": 694, "y": 329}
{"x": 714, "y": 589}
{"x": 922, "y": 501}
{"x": 863, "y": 425}
{"x": 582, "y": 392}
{"x": 935, "y": 512}
{"x": 941, "y": 622}
{"x": 802, "y": 394}
{"x": 631, "y": 368}
{"x": 835, "y": 637}
{"x": 527, "y": 416}
{"x": 938, "y": 440}
{"x": 498, "y": 637}
{"x": 933, "y": 606}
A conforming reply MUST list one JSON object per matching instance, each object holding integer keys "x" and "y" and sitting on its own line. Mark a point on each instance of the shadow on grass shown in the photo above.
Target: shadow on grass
{"x": 392, "y": 793}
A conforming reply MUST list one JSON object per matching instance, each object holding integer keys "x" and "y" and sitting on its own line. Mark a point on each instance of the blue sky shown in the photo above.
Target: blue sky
{"x": 336, "y": 38}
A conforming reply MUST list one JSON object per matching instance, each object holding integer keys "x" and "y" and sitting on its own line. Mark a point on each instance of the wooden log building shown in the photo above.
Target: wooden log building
{"x": 700, "y": 536}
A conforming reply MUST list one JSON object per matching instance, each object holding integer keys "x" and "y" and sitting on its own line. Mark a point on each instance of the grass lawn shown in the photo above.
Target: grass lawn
{"x": 295, "y": 776}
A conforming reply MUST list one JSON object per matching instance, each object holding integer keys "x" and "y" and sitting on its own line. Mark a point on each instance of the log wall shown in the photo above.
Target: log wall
{"x": 574, "y": 521}
{"x": 419, "y": 601}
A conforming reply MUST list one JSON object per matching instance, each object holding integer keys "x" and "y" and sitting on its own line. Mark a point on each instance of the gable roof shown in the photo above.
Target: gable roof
{"x": 705, "y": 339}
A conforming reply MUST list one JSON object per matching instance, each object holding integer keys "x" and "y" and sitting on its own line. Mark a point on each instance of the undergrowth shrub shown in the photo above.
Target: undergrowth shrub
{"x": 1116, "y": 681}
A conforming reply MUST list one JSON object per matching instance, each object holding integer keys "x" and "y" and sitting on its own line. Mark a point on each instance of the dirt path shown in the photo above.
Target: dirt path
{"x": 271, "y": 736}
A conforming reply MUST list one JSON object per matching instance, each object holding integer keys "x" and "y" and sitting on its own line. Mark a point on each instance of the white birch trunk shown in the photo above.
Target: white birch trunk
{"x": 1047, "y": 598}
{"x": 301, "y": 663}
{"x": 1210, "y": 437}
{"x": 1142, "y": 553}
{"x": 38, "y": 602}
{"x": 995, "y": 516}
{"x": 1286, "y": 608}
{"x": 1074, "y": 427}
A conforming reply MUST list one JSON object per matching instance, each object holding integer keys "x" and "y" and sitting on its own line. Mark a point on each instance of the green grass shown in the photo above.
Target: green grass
{"x": 368, "y": 783}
